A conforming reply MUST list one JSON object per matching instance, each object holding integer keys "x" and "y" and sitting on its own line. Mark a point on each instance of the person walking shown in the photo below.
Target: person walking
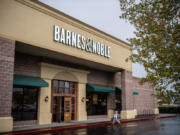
{"x": 115, "y": 118}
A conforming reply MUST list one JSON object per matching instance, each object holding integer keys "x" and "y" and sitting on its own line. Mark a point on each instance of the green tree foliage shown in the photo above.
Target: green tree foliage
{"x": 167, "y": 97}
{"x": 157, "y": 40}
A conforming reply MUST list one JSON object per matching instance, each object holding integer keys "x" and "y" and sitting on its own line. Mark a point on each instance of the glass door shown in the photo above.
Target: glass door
{"x": 64, "y": 100}
{"x": 67, "y": 108}
{"x": 57, "y": 109}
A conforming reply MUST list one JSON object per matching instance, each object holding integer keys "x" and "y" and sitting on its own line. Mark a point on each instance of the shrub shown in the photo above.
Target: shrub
{"x": 169, "y": 109}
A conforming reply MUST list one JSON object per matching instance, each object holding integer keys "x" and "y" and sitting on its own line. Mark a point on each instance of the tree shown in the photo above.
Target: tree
{"x": 156, "y": 41}
{"x": 166, "y": 97}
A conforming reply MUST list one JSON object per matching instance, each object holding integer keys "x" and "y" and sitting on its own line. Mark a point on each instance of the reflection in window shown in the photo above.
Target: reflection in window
{"x": 24, "y": 104}
{"x": 96, "y": 103}
{"x": 66, "y": 84}
{"x": 61, "y": 86}
{"x": 67, "y": 88}
{"x": 55, "y": 85}
{"x": 61, "y": 83}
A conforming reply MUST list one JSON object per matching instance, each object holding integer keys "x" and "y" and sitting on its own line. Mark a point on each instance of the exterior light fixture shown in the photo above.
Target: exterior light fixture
{"x": 46, "y": 99}
{"x": 83, "y": 99}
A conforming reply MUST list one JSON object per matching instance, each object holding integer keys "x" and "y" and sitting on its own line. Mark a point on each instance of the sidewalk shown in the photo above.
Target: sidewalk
{"x": 63, "y": 124}
{"x": 21, "y": 130}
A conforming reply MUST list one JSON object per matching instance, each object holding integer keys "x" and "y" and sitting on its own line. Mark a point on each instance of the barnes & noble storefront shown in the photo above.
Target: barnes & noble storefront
{"x": 57, "y": 68}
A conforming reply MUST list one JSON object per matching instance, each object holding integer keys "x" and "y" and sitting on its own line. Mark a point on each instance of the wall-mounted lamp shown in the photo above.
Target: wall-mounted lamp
{"x": 83, "y": 99}
{"x": 46, "y": 99}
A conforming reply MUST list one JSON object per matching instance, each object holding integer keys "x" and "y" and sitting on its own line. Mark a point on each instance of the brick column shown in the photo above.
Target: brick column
{"x": 114, "y": 80}
{"x": 110, "y": 104}
{"x": 128, "y": 111}
{"x": 117, "y": 79}
{"x": 7, "y": 50}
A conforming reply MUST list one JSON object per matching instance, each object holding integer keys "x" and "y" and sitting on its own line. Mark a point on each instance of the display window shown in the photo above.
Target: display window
{"x": 24, "y": 103}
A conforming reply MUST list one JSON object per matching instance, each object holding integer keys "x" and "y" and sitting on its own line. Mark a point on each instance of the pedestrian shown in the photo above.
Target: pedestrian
{"x": 115, "y": 118}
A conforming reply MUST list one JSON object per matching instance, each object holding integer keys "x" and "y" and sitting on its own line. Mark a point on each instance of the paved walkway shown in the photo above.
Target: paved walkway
{"x": 63, "y": 124}
{"x": 19, "y": 130}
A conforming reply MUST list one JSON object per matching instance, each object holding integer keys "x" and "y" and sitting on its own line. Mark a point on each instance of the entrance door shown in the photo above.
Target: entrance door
{"x": 63, "y": 100}
{"x": 57, "y": 105}
{"x": 67, "y": 108}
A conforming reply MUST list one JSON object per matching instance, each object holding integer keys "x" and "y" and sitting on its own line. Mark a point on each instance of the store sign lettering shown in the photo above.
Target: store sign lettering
{"x": 78, "y": 41}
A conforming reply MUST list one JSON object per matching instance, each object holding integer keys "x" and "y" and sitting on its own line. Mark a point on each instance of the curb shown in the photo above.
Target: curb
{"x": 86, "y": 125}
{"x": 163, "y": 117}
{"x": 134, "y": 120}
{"x": 60, "y": 128}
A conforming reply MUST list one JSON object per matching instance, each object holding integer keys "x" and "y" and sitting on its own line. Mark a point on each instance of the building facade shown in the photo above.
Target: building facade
{"x": 55, "y": 68}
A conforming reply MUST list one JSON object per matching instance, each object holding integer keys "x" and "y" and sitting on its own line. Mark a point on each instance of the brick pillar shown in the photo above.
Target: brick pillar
{"x": 117, "y": 79}
{"x": 7, "y": 50}
{"x": 128, "y": 111}
{"x": 114, "y": 80}
{"x": 110, "y": 104}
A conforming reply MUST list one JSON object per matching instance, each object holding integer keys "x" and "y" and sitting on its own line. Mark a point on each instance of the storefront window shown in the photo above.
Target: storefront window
{"x": 63, "y": 87}
{"x": 96, "y": 103}
{"x": 55, "y": 85}
{"x": 67, "y": 88}
{"x": 24, "y": 104}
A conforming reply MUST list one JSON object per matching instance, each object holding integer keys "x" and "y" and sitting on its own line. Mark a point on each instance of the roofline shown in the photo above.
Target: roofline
{"x": 83, "y": 23}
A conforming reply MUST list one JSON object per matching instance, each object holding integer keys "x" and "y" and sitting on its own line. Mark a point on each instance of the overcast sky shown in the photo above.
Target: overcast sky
{"x": 101, "y": 14}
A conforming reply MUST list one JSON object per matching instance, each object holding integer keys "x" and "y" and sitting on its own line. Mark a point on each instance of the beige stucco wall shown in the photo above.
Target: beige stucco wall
{"x": 32, "y": 23}
{"x": 6, "y": 124}
{"x": 156, "y": 111}
{"x": 81, "y": 106}
{"x": 44, "y": 108}
{"x": 49, "y": 72}
{"x": 128, "y": 114}
{"x": 110, "y": 113}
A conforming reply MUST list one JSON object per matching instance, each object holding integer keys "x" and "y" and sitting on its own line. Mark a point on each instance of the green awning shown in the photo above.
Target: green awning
{"x": 118, "y": 88}
{"x": 135, "y": 92}
{"x": 98, "y": 88}
{"x": 29, "y": 81}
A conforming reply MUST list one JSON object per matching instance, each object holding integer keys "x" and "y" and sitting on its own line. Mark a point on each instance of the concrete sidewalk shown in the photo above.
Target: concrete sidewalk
{"x": 21, "y": 130}
{"x": 63, "y": 124}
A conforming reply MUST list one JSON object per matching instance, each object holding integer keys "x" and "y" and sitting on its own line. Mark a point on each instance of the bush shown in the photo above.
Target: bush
{"x": 169, "y": 109}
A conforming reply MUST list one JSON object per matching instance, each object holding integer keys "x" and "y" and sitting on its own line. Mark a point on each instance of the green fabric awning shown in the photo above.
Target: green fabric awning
{"x": 135, "y": 92}
{"x": 98, "y": 88}
{"x": 29, "y": 81}
{"x": 118, "y": 88}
